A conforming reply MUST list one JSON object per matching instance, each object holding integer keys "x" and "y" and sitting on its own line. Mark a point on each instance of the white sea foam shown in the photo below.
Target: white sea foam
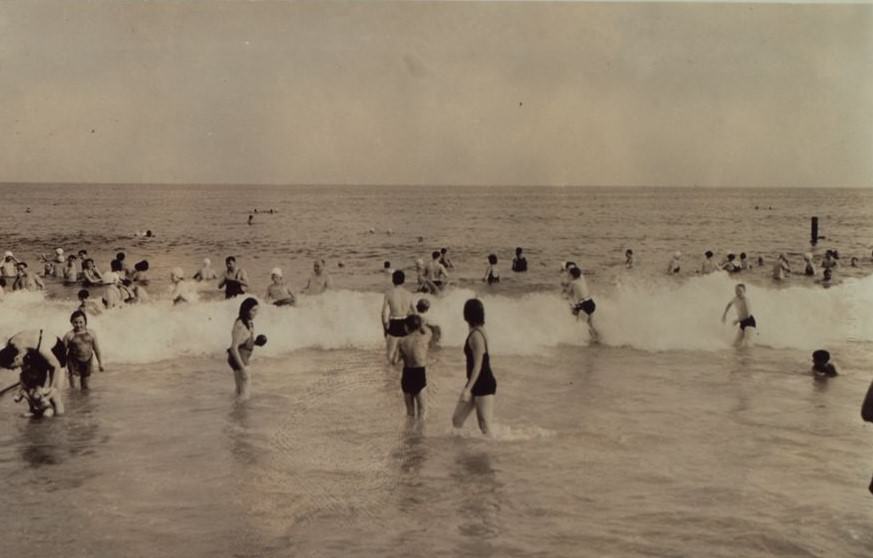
{"x": 649, "y": 315}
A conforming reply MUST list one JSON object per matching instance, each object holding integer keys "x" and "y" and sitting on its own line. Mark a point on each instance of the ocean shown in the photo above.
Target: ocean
{"x": 661, "y": 440}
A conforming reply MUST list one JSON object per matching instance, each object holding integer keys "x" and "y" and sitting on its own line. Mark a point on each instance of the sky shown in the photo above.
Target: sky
{"x": 419, "y": 93}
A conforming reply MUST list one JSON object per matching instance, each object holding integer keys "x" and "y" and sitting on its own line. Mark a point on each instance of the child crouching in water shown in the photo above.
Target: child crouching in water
{"x": 82, "y": 347}
{"x": 413, "y": 351}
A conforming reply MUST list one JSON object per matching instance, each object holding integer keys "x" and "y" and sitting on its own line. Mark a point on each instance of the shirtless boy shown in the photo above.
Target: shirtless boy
{"x": 398, "y": 304}
{"x": 413, "y": 349}
{"x": 745, "y": 319}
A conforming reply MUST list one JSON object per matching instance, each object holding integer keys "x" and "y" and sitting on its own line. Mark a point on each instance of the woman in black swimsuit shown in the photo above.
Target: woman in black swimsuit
{"x": 478, "y": 392}
{"x": 242, "y": 344}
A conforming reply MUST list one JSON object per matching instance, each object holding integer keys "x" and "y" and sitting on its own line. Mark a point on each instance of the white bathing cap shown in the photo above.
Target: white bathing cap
{"x": 276, "y": 271}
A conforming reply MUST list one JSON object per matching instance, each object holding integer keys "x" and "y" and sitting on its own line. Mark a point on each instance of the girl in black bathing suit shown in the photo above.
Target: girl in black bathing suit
{"x": 243, "y": 344}
{"x": 478, "y": 392}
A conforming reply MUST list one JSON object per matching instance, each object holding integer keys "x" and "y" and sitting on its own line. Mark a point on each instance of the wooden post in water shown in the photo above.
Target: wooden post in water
{"x": 813, "y": 233}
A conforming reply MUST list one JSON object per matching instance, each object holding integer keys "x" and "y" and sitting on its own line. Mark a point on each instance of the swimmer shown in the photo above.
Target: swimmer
{"x": 86, "y": 305}
{"x": 91, "y": 276}
{"x": 386, "y": 268}
{"x": 744, "y": 262}
{"x": 760, "y": 261}
{"x": 730, "y": 265}
{"x": 123, "y": 269}
{"x": 519, "y": 262}
{"x": 182, "y": 291}
{"x": 235, "y": 281}
{"x": 41, "y": 378}
{"x": 781, "y": 268}
{"x": 745, "y": 319}
{"x": 675, "y": 263}
{"x": 809, "y": 267}
{"x": 251, "y": 218}
{"x": 396, "y": 306}
{"x": 445, "y": 260}
{"x": 206, "y": 273}
{"x": 424, "y": 285}
{"x": 582, "y": 301}
{"x": 413, "y": 348}
{"x": 853, "y": 262}
{"x": 479, "y": 390}
{"x": 278, "y": 293}
{"x": 821, "y": 364}
{"x": 27, "y": 280}
{"x": 319, "y": 281}
{"x": 708, "y": 265}
{"x": 9, "y": 267}
{"x": 492, "y": 275}
{"x": 422, "y": 307}
{"x": 242, "y": 345}
{"x": 435, "y": 272}
{"x": 112, "y": 295}
{"x": 71, "y": 271}
{"x": 140, "y": 273}
{"x": 629, "y": 258}
{"x": 826, "y": 278}
{"x": 82, "y": 348}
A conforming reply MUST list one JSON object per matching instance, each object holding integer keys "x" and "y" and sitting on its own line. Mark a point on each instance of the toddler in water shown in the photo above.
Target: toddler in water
{"x": 82, "y": 347}
{"x": 822, "y": 366}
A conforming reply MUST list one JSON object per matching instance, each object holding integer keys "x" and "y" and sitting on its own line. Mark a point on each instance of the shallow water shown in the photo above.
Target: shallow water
{"x": 662, "y": 441}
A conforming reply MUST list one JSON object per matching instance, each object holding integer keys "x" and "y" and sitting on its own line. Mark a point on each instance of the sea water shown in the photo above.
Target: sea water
{"x": 662, "y": 440}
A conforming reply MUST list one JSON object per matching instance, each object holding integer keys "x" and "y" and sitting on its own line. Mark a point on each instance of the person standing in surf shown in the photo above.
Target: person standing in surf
{"x": 235, "y": 281}
{"x": 582, "y": 301}
{"x": 242, "y": 345}
{"x": 396, "y": 306}
{"x": 82, "y": 347}
{"x": 319, "y": 281}
{"x": 745, "y": 319}
{"x": 478, "y": 392}
{"x": 41, "y": 378}
{"x": 413, "y": 381}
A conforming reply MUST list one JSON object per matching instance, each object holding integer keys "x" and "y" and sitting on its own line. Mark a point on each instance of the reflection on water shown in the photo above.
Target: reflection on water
{"x": 479, "y": 505}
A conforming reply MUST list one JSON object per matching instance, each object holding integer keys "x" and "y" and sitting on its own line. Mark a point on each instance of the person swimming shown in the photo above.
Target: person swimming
{"x": 519, "y": 262}
{"x": 822, "y": 365}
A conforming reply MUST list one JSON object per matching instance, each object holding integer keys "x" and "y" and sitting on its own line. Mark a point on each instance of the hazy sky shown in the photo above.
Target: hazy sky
{"x": 436, "y": 93}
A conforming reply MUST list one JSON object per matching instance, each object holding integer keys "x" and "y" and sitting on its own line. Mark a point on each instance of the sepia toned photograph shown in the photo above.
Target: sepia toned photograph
{"x": 436, "y": 279}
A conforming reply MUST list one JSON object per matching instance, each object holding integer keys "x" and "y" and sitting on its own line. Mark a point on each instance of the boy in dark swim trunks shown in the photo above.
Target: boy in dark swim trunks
{"x": 745, "y": 319}
{"x": 396, "y": 306}
{"x": 413, "y": 350}
{"x": 82, "y": 348}
{"x": 583, "y": 304}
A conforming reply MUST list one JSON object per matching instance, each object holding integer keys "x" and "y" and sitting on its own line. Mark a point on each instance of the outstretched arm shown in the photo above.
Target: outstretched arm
{"x": 726, "y": 308}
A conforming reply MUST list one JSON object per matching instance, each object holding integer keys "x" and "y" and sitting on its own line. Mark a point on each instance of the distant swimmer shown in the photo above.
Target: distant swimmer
{"x": 319, "y": 280}
{"x": 822, "y": 365}
{"x": 243, "y": 342}
{"x": 182, "y": 291}
{"x": 481, "y": 385}
{"x": 91, "y": 276}
{"x": 413, "y": 347}
{"x": 278, "y": 293}
{"x": 396, "y": 306}
{"x": 629, "y": 258}
{"x": 27, "y": 280}
{"x": 251, "y": 218}
{"x": 235, "y": 280}
{"x": 827, "y": 278}
{"x": 675, "y": 263}
{"x": 445, "y": 260}
{"x": 83, "y": 351}
{"x": 744, "y": 262}
{"x": 386, "y": 268}
{"x": 853, "y": 262}
{"x": 830, "y": 259}
{"x": 492, "y": 274}
{"x": 730, "y": 264}
{"x": 140, "y": 273}
{"x": 582, "y": 301}
{"x": 422, "y": 307}
{"x": 519, "y": 262}
{"x": 781, "y": 268}
{"x": 9, "y": 267}
{"x": 709, "y": 265}
{"x": 41, "y": 378}
{"x": 435, "y": 273}
{"x": 206, "y": 273}
{"x": 745, "y": 319}
{"x": 808, "y": 265}
{"x": 88, "y": 305}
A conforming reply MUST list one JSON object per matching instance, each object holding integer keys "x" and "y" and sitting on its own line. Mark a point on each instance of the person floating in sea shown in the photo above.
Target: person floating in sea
{"x": 478, "y": 392}
{"x": 519, "y": 262}
{"x": 492, "y": 274}
{"x": 396, "y": 306}
{"x": 745, "y": 320}
{"x": 278, "y": 293}
{"x": 582, "y": 301}
{"x": 821, "y": 364}
{"x": 709, "y": 264}
{"x": 413, "y": 348}
{"x": 235, "y": 281}
{"x": 82, "y": 349}
{"x": 319, "y": 280}
{"x": 40, "y": 379}
{"x": 206, "y": 273}
{"x": 675, "y": 263}
{"x": 243, "y": 342}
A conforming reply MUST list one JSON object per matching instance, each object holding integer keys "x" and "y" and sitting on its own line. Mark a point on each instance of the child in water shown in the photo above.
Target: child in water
{"x": 492, "y": 275}
{"x": 745, "y": 319}
{"x": 82, "y": 347}
{"x": 278, "y": 292}
{"x": 421, "y": 307}
{"x": 413, "y": 350}
{"x": 822, "y": 366}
